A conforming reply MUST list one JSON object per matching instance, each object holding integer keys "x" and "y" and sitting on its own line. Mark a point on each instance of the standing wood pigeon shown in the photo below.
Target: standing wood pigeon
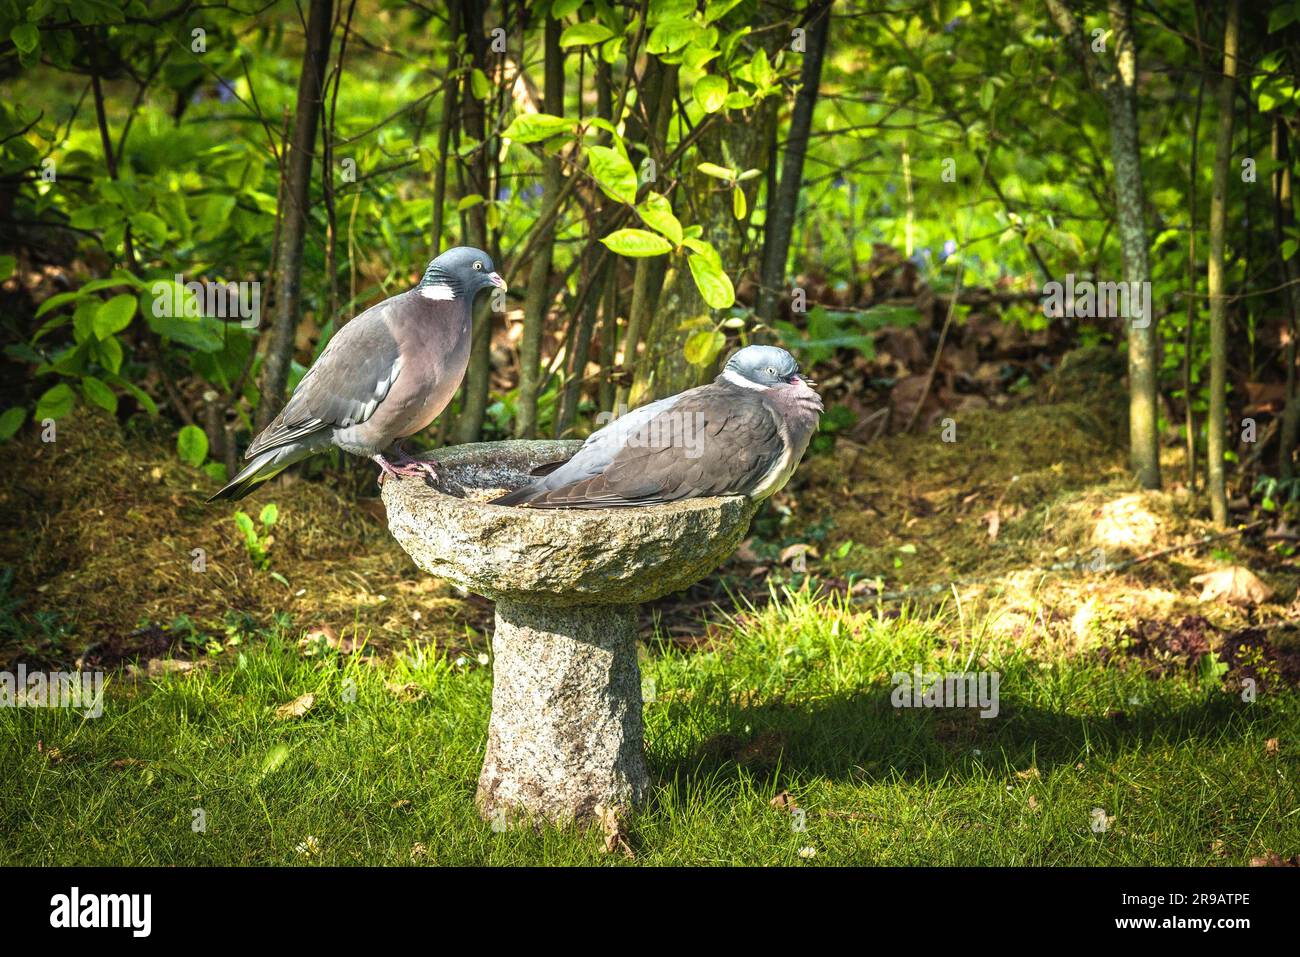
{"x": 384, "y": 376}
{"x": 743, "y": 434}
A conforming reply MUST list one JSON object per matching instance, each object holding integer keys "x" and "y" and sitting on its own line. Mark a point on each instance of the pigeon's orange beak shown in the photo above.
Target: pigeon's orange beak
{"x": 497, "y": 280}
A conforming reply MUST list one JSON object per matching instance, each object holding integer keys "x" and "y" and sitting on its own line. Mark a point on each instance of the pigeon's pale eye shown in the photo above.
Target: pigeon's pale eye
{"x": 478, "y": 265}
{"x": 771, "y": 371}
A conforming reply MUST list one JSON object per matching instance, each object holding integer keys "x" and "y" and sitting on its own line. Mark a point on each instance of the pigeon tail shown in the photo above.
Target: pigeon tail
{"x": 267, "y": 465}
{"x": 519, "y": 496}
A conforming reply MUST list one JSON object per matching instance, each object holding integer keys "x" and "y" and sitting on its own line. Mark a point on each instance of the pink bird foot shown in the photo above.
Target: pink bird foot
{"x": 404, "y": 466}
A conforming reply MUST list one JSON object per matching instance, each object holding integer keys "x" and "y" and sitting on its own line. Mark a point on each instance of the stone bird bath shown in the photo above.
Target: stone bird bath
{"x": 565, "y": 733}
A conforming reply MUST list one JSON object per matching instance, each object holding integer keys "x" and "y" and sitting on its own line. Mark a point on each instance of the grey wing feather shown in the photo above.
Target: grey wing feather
{"x": 732, "y": 441}
{"x": 603, "y": 444}
{"x": 343, "y": 387}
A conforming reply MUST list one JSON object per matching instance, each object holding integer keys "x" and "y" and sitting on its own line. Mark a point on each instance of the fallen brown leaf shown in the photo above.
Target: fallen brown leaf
{"x": 611, "y": 822}
{"x": 156, "y": 667}
{"x": 784, "y": 802}
{"x": 407, "y": 692}
{"x": 1274, "y": 859}
{"x": 791, "y": 552}
{"x": 1234, "y": 585}
{"x": 296, "y": 708}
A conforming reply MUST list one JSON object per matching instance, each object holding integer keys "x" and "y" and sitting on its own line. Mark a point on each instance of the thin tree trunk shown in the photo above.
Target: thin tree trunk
{"x": 1143, "y": 342}
{"x": 1218, "y": 416}
{"x": 662, "y": 368}
{"x": 1189, "y": 338}
{"x": 450, "y": 89}
{"x": 474, "y": 404}
{"x": 596, "y": 273}
{"x": 660, "y": 81}
{"x": 293, "y": 219}
{"x": 110, "y": 163}
{"x": 781, "y": 207}
{"x": 328, "y": 126}
{"x": 1284, "y": 220}
{"x": 1118, "y": 88}
{"x": 538, "y": 300}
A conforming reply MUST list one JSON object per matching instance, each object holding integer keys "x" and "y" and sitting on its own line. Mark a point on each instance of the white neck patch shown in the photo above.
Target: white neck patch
{"x": 438, "y": 291}
{"x": 735, "y": 378}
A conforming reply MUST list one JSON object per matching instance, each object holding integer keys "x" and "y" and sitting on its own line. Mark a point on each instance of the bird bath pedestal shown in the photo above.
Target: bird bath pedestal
{"x": 565, "y": 733}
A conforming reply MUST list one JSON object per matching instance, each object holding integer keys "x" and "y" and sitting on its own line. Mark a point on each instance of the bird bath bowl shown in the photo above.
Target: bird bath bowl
{"x": 565, "y": 733}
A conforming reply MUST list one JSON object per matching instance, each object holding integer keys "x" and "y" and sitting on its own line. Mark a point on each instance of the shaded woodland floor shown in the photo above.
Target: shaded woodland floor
{"x": 1022, "y": 520}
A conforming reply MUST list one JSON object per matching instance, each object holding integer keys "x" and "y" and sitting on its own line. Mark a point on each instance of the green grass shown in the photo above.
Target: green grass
{"x": 795, "y": 698}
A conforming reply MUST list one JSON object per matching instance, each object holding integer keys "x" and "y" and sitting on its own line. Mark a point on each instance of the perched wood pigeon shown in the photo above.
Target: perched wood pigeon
{"x": 384, "y": 376}
{"x": 743, "y": 434}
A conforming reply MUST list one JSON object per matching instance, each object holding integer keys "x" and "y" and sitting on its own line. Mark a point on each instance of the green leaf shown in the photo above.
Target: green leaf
{"x": 562, "y": 8}
{"x": 1281, "y": 15}
{"x": 716, "y": 171}
{"x": 711, "y": 93}
{"x": 760, "y": 71}
{"x": 703, "y": 347}
{"x": 669, "y": 10}
{"x": 56, "y": 402}
{"x": 97, "y": 393}
{"x": 112, "y": 282}
{"x": 738, "y": 204}
{"x": 204, "y": 334}
{"x": 583, "y": 34}
{"x": 280, "y": 753}
{"x": 54, "y": 302}
{"x": 7, "y": 264}
{"x": 192, "y": 445}
{"x": 657, "y": 212}
{"x": 150, "y": 226}
{"x": 924, "y": 92}
{"x": 739, "y": 100}
{"x": 108, "y": 353}
{"x": 479, "y": 85}
{"x": 988, "y": 93}
{"x": 715, "y": 10}
{"x": 714, "y": 285}
{"x": 535, "y": 127}
{"x": 11, "y": 421}
{"x": 613, "y": 172}
{"x": 26, "y": 37}
{"x": 114, "y": 315}
{"x": 468, "y": 202}
{"x": 637, "y": 242}
{"x": 671, "y": 35}
{"x": 136, "y": 392}
{"x": 270, "y": 515}
{"x": 83, "y": 319}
